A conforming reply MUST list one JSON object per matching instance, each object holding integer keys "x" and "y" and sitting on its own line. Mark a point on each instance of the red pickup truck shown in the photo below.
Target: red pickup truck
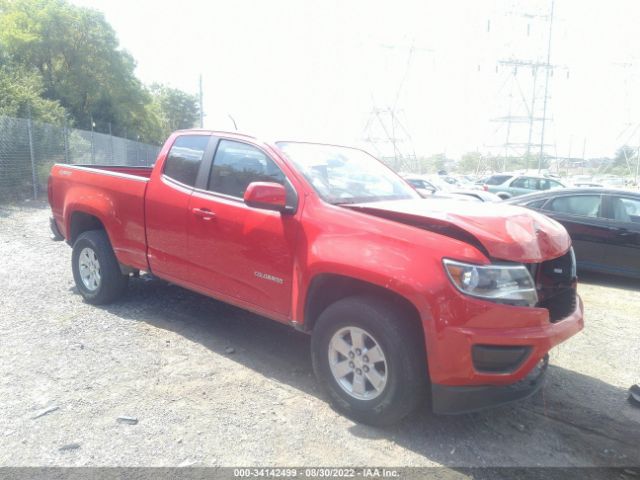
{"x": 404, "y": 297}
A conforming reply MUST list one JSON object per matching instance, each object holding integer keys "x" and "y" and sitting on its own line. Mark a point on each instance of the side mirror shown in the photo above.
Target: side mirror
{"x": 266, "y": 195}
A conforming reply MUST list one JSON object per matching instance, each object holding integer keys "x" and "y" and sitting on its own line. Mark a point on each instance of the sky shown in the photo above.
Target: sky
{"x": 431, "y": 74}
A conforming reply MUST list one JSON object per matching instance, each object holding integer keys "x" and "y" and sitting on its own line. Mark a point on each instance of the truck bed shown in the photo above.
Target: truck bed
{"x": 114, "y": 194}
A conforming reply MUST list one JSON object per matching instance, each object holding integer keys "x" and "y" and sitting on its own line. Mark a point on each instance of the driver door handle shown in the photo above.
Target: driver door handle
{"x": 203, "y": 213}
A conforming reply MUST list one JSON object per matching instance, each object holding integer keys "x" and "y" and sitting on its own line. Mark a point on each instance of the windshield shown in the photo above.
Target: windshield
{"x": 346, "y": 175}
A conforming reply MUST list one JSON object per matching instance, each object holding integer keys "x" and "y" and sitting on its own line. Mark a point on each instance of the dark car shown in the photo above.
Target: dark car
{"x": 603, "y": 223}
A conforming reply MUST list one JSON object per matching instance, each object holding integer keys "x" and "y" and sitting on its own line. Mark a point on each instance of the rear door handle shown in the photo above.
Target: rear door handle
{"x": 203, "y": 213}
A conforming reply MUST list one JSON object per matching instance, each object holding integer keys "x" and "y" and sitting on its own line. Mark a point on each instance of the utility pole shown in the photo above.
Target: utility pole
{"x": 111, "y": 144}
{"x": 34, "y": 177}
{"x": 201, "y": 106}
{"x": 65, "y": 133}
{"x": 93, "y": 151}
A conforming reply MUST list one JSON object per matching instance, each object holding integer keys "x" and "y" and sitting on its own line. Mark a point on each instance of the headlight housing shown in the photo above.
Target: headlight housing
{"x": 510, "y": 284}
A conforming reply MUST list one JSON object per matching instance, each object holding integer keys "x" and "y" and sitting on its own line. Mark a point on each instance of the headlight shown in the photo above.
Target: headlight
{"x": 510, "y": 284}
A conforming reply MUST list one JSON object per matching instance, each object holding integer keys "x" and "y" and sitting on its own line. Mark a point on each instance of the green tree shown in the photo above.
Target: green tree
{"x": 433, "y": 163}
{"x": 623, "y": 161}
{"x": 173, "y": 108}
{"x": 56, "y": 57}
{"x": 470, "y": 162}
{"x": 21, "y": 95}
{"x": 76, "y": 53}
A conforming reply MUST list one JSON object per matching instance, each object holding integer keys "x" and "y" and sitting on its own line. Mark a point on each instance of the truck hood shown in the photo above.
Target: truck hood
{"x": 504, "y": 232}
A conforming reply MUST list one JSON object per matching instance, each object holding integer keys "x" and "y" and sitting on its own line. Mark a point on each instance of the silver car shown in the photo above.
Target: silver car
{"x": 508, "y": 185}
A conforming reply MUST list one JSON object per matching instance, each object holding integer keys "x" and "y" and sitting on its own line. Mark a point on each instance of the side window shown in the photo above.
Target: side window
{"x": 525, "y": 182}
{"x": 546, "y": 184}
{"x": 497, "y": 179}
{"x": 626, "y": 209}
{"x": 536, "y": 203}
{"x": 237, "y": 164}
{"x": 583, "y": 205}
{"x": 518, "y": 182}
{"x": 185, "y": 157}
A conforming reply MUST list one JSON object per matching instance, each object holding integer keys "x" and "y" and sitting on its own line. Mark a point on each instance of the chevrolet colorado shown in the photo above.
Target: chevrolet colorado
{"x": 405, "y": 298}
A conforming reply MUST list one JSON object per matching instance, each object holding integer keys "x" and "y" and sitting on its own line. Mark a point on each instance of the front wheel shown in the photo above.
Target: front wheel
{"x": 95, "y": 268}
{"x": 370, "y": 359}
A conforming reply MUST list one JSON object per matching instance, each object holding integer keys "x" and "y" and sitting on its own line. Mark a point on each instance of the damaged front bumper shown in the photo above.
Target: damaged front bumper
{"x": 449, "y": 400}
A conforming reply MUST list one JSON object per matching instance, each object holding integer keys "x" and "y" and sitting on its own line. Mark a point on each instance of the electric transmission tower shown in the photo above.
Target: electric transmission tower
{"x": 386, "y": 127}
{"x": 526, "y": 122}
{"x": 385, "y": 131}
{"x": 631, "y": 130}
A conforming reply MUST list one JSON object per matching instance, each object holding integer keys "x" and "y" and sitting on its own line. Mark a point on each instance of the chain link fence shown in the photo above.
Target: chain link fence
{"x": 28, "y": 149}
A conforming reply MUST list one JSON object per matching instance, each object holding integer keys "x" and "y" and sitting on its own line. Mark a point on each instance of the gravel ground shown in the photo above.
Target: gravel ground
{"x": 209, "y": 384}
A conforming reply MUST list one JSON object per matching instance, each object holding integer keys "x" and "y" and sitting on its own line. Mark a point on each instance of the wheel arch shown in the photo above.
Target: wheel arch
{"x": 327, "y": 288}
{"x": 80, "y": 222}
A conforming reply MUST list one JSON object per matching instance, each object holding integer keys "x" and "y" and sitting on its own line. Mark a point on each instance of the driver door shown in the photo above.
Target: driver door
{"x": 236, "y": 251}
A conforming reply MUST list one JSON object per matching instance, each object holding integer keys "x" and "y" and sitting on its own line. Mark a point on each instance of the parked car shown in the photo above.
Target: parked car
{"x": 610, "y": 181}
{"x": 587, "y": 185}
{"x": 427, "y": 189}
{"x": 508, "y": 185}
{"x": 458, "y": 182}
{"x": 401, "y": 296}
{"x": 604, "y": 225}
{"x": 430, "y": 187}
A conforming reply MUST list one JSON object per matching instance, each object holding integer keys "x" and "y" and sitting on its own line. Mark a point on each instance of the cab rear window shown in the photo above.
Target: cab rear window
{"x": 185, "y": 157}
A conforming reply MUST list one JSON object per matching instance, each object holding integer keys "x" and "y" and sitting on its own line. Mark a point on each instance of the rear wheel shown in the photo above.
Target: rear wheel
{"x": 370, "y": 359}
{"x": 95, "y": 268}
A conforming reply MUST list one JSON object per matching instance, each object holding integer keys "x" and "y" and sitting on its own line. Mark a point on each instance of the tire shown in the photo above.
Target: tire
{"x": 109, "y": 283}
{"x": 504, "y": 195}
{"x": 403, "y": 369}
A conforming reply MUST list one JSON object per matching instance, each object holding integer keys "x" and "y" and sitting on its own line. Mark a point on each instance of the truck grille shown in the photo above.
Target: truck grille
{"x": 560, "y": 306}
{"x": 556, "y": 285}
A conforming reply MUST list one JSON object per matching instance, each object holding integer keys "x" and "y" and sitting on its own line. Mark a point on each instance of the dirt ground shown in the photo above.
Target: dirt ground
{"x": 212, "y": 385}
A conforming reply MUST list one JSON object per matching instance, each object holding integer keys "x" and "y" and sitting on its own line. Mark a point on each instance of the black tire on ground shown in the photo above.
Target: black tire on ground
{"x": 402, "y": 345}
{"x": 112, "y": 283}
{"x": 504, "y": 195}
